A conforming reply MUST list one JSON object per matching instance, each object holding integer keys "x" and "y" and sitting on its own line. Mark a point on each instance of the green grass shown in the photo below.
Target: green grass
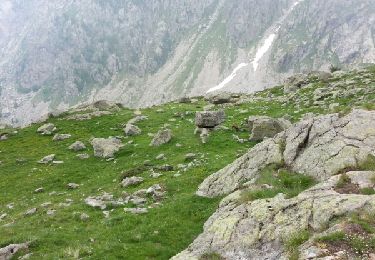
{"x": 294, "y": 242}
{"x": 281, "y": 180}
{"x": 166, "y": 229}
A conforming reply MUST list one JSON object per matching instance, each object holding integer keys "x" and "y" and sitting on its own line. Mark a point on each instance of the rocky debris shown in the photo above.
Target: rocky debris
{"x": 105, "y": 105}
{"x": 136, "y": 210}
{"x": 266, "y": 127}
{"x": 73, "y": 186}
{"x": 83, "y": 156}
{"x": 47, "y": 129}
{"x": 204, "y": 134}
{"x": 259, "y": 229}
{"x": 319, "y": 147}
{"x": 47, "y": 159}
{"x": 106, "y": 148}
{"x": 136, "y": 200}
{"x": 61, "y": 137}
{"x": 156, "y": 191}
{"x": 51, "y": 212}
{"x": 77, "y": 146}
{"x": 31, "y": 212}
{"x": 39, "y": 190}
{"x": 209, "y": 119}
{"x": 131, "y": 181}
{"x": 136, "y": 120}
{"x": 190, "y": 156}
{"x": 6, "y": 253}
{"x": 88, "y": 116}
{"x": 3, "y": 216}
{"x": 295, "y": 82}
{"x": 164, "y": 168}
{"x": 131, "y": 130}
{"x": 162, "y": 137}
{"x": 103, "y": 201}
{"x": 160, "y": 157}
{"x": 184, "y": 100}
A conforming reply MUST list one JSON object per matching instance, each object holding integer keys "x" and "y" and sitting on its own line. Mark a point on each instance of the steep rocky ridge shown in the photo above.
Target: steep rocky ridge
{"x": 139, "y": 54}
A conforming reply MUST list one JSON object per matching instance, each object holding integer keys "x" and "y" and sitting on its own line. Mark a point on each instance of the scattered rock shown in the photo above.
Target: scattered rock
{"x": 6, "y": 253}
{"x": 136, "y": 120}
{"x": 83, "y": 156}
{"x": 131, "y": 181}
{"x": 220, "y": 98}
{"x": 162, "y": 137}
{"x": 106, "y": 148}
{"x": 131, "y": 130}
{"x": 61, "y": 137}
{"x": 39, "y": 190}
{"x": 3, "y": 216}
{"x": 160, "y": 157}
{"x": 47, "y": 129}
{"x": 73, "y": 186}
{"x": 103, "y": 201}
{"x": 3, "y": 136}
{"x": 77, "y": 146}
{"x": 136, "y": 210}
{"x": 209, "y": 119}
{"x": 47, "y": 159}
{"x": 190, "y": 156}
{"x": 184, "y": 100}
{"x": 31, "y": 212}
{"x": 51, "y": 212}
{"x": 84, "y": 217}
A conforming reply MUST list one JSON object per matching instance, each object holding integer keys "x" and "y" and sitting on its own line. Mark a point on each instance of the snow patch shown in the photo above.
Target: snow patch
{"x": 229, "y": 78}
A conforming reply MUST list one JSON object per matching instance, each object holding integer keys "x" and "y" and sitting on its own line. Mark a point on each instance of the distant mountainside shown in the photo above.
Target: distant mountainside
{"x": 55, "y": 54}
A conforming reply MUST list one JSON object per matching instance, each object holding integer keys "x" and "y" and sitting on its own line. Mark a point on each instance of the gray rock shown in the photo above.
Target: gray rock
{"x": 6, "y": 253}
{"x": 84, "y": 217}
{"x": 209, "y": 119}
{"x": 219, "y": 98}
{"x": 83, "y": 156}
{"x": 47, "y": 129}
{"x": 266, "y": 127}
{"x": 31, "y": 211}
{"x": 190, "y": 156}
{"x": 61, "y": 137}
{"x": 103, "y": 201}
{"x": 47, "y": 159}
{"x": 39, "y": 190}
{"x": 136, "y": 120}
{"x": 131, "y": 181}
{"x": 3, "y": 136}
{"x": 131, "y": 130}
{"x": 106, "y": 148}
{"x": 77, "y": 146}
{"x": 73, "y": 186}
{"x": 136, "y": 210}
{"x": 162, "y": 137}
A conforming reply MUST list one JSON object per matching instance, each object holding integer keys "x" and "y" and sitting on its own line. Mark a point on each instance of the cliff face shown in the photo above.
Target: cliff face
{"x": 56, "y": 54}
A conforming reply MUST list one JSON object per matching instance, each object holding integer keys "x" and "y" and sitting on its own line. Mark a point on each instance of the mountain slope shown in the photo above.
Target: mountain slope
{"x": 141, "y": 53}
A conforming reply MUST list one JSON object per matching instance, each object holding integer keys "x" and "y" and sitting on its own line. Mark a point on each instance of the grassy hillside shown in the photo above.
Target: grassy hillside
{"x": 169, "y": 226}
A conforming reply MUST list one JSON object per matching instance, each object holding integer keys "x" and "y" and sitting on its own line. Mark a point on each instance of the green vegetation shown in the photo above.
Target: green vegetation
{"x": 169, "y": 227}
{"x": 294, "y": 242}
{"x": 279, "y": 181}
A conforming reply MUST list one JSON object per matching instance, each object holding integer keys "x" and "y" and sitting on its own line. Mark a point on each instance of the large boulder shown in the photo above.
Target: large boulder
{"x": 106, "y": 148}
{"x": 219, "y": 98}
{"x": 7, "y": 252}
{"x": 209, "y": 119}
{"x": 47, "y": 129}
{"x": 259, "y": 229}
{"x": 162, "y": 137}
{"x": 263, "y": 126}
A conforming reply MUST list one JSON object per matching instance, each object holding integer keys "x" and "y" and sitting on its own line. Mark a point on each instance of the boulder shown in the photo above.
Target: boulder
{"x": 266, "y": 127}
{"x": 47, "y": 159}
{"x": 258, "y": 229}
{"x": 47, "y": 129}
{"x": 77, "y": 146}
{"x": 295, "y": 82}
{"x": 220, "y": 98}
{"x": 162, "y": 137}
{"x": 131, "y": 130}
{"x": 209, "y": 119}
{"x": 131, "y": 181}
{"x": 6, "y": 253}
{"x": 61, "y": 137}
{"x": 3, "y": 136}
{"x": 106, "y": 148}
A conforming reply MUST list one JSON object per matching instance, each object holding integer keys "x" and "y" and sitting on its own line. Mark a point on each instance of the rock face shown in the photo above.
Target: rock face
{"x": 209, "y": 119}
{"x": 106, "y": 148}
{"x": 161, "y": 137}
{"x": 258, "y": 229}
{"x": 263, "y": 126}
{"x": 321, "y": 147}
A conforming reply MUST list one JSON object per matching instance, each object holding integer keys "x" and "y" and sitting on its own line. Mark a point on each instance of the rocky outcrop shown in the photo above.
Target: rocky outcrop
{"x": 319, "y": 147}
{"x": 259, "y": 229}
{"x": 7, "y": 252}
{"x": 106, "y": 148}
